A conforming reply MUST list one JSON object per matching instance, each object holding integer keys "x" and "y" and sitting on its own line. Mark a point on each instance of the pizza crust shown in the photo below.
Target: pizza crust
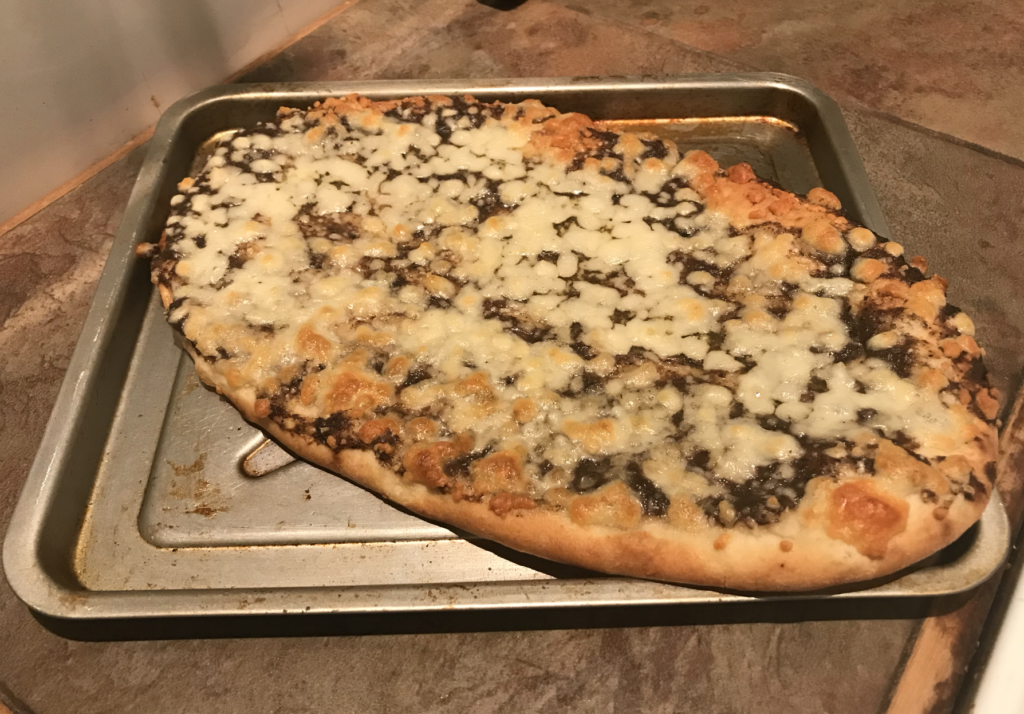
{"x": 875, "y": 508}
{"x": 810, "y": 554}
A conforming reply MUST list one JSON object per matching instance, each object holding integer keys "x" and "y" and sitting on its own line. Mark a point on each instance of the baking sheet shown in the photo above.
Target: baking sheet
{"x": 136, "y": 506}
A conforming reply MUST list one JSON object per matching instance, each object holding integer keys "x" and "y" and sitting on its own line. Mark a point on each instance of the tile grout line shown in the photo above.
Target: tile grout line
{"x": 936, "y": 134}
{"x": 141, "y": 138}
{"x": 10, "y": 704}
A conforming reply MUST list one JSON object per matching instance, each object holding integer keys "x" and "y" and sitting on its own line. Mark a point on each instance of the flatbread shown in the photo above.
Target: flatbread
{"x": 578, "y": 343}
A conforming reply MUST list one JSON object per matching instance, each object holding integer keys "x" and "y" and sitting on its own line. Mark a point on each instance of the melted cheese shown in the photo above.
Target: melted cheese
{"x": 899, "y": 406}
{"x": 578, "y": 255}
{"x": 786, "y": 351}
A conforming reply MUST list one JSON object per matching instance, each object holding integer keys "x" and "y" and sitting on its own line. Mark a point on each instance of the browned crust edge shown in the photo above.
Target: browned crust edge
{"x": 709, "y": 556}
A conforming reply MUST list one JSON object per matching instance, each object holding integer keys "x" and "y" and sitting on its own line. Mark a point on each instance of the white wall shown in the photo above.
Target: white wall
{"x": 79, "y": 78}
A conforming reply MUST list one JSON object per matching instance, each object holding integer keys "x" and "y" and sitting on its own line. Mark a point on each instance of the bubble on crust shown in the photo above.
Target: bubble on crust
{"x": 824, "y": 198}
{"x": 861, "y": 239}
{"x": 822, "y": 235}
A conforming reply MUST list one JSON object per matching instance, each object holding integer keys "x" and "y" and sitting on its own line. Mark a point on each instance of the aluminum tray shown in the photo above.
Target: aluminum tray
{"x": 135, "y": 506}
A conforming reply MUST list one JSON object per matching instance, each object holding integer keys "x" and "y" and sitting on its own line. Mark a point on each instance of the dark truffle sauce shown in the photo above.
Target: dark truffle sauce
{"x": 757, "y": 501}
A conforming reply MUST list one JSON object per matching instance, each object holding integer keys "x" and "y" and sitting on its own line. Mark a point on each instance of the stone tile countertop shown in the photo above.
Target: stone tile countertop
{"x": 932, "y": 92}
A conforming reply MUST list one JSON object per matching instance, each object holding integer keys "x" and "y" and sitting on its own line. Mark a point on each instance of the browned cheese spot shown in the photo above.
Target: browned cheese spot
{"x": 740, "y": 173}
{"x": 824, "y": 198}
{"x": 368, "y": 336}
{"x": 458, "y": 491}
{"x": 686, "y": 515}
{"x": 166, "y": 295}
{"x": 863, "y": 516}
{"x": 783, "y": 205}
{"x": 287, "y": 373}
{"x": 926, "y": 298}
{"x": 612, "y": 505}
{"x": 888, "y": 293}
{"x": 476, "y": 385}
{"x": 376, "y": 428}
{"x": 397, "y": 368}
{"x": 969, "y": 345}
{"x": 956, "y": 468}
{"x": 931, "y": 379}
{"x": 867, "y": 270}
{"x": 234, "y": 377}
{"x": 951, "y": 348}
{"x": 310, "y": 386}
{"x": 823, "y": 236}
{"x": 424, "y": 463}
{"x": 559, "y": 497}
{"x": 504, "y": 503}
{"x": 892, "y": 461}
{"x": 422, "y": 429}
{"x": 502, "y": 471}
{"x": 261, "y": 408}
{"x": 524, "y": 409}
{"x": 988, "y": 405}
{"x": 560, "y": 138}
{"x": 355, "y": 394}
{"x": 312, "y": 344}
{"x": 758, "y": 193}
{"x": 594, "y": 435}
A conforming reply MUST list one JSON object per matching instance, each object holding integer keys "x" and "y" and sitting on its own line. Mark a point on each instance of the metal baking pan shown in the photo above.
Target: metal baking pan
{"x": 136, "y": 506}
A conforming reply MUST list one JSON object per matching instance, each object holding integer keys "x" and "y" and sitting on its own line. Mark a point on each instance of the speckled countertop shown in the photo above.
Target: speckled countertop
{"x": 932, "y": 92}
